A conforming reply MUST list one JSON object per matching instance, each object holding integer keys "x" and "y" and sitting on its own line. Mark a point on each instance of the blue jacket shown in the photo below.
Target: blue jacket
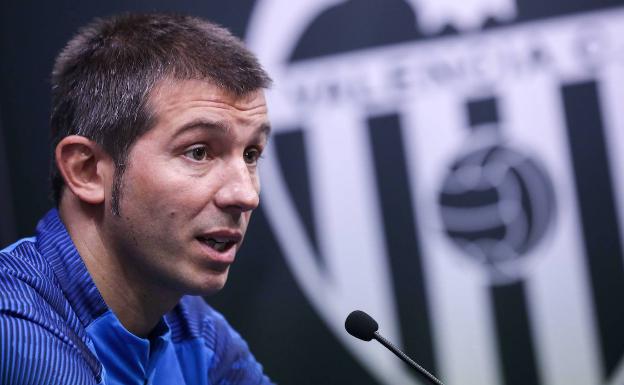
{"x": 55, "y": 328}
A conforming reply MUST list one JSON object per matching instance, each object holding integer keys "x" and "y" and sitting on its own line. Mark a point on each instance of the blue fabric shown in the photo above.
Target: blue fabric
{"x": 55, "y": 328}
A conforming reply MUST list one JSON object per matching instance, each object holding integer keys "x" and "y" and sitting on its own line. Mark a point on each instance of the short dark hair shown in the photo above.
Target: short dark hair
{"x": 103, "y": 78}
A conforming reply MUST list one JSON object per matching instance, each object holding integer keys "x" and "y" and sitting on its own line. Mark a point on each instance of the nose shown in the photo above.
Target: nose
{"x": 240, "y": 189}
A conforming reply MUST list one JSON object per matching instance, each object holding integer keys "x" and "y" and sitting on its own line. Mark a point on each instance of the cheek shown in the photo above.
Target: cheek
{"x": 146, "y": 192}
{"x": 257, "y": 183}
{"x": 166, "y": 192}
{"x": 154, "y": 214}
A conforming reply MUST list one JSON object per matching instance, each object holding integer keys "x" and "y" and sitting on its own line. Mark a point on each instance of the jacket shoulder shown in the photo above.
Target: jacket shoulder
{"x": 34, "y": 316}
{"x": 27, "y": 283}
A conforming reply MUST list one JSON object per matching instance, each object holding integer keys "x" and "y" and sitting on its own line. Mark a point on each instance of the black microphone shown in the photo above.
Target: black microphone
{"x": 361, "y": 325}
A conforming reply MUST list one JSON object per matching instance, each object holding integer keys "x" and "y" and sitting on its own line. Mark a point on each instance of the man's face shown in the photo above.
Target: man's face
{"x": 190, "y": 186}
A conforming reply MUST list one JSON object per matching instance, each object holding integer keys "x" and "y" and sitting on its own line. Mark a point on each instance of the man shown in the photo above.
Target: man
{"x": 158, "y": 122}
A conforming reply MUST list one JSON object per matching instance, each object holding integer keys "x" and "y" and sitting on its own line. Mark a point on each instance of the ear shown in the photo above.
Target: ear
{"x": 85, "y": 168}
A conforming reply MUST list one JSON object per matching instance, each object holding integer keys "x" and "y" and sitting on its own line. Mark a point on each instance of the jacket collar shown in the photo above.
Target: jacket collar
{"x": 58, "y": 249}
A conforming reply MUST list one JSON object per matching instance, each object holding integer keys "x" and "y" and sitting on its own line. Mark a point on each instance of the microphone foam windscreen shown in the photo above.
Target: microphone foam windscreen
{"x": 361, "y": 325}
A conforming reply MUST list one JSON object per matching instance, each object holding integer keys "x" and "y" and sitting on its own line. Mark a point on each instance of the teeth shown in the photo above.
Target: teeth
{"x": 218, "y": 244}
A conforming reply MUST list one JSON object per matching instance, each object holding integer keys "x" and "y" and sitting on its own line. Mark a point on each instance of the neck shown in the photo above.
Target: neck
{"x": 137, "y": 304}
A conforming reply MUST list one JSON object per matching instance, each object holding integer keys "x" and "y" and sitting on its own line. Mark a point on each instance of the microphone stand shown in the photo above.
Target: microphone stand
{"x": 406, "y": 359}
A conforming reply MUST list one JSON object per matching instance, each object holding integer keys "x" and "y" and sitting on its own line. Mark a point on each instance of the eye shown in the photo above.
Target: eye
{"x": 197, "y": 153}
{"x": 252, "y": 155}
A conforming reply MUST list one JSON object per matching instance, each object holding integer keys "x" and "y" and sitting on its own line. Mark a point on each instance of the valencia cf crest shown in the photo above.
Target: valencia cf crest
{"x": 456, "y": 170}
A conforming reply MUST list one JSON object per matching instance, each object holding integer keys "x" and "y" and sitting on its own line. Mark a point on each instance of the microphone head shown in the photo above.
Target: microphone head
{"x": 361, "y": 325}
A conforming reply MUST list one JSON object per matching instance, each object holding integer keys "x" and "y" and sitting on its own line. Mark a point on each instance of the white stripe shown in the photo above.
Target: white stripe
{"x": 349, "y": 224}
{"x": 558, "y": 289}
{"x": 462, "y": 324}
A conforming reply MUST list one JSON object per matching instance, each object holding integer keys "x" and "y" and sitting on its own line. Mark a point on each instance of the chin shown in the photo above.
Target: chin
{"x": 208, "y": 285}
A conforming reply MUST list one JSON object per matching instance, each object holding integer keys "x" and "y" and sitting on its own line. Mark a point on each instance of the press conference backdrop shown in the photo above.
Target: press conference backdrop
{"x": 454, "y": 168}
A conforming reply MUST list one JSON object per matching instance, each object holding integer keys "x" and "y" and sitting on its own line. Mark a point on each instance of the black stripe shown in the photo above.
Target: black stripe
{"x": 603, "y": 249}
{"x": 515, "y": 342}
{"x": 291, "y": 153}
{"x": 492, "y": 233}
{"x": 482, "y": 111}
{"x": 401, "y": 242}
{"x": 470, "y": 198}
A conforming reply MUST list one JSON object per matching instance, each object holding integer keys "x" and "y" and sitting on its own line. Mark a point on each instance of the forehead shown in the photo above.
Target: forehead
{"x": 179, "y": 99}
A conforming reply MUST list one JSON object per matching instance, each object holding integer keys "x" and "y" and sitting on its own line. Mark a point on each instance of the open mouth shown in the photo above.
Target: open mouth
{"x": 218, "y": 244}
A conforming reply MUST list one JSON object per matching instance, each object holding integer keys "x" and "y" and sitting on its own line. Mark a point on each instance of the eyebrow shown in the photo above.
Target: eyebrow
{"x": 203, "y": 123}
{"x": 264, "y": 128}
